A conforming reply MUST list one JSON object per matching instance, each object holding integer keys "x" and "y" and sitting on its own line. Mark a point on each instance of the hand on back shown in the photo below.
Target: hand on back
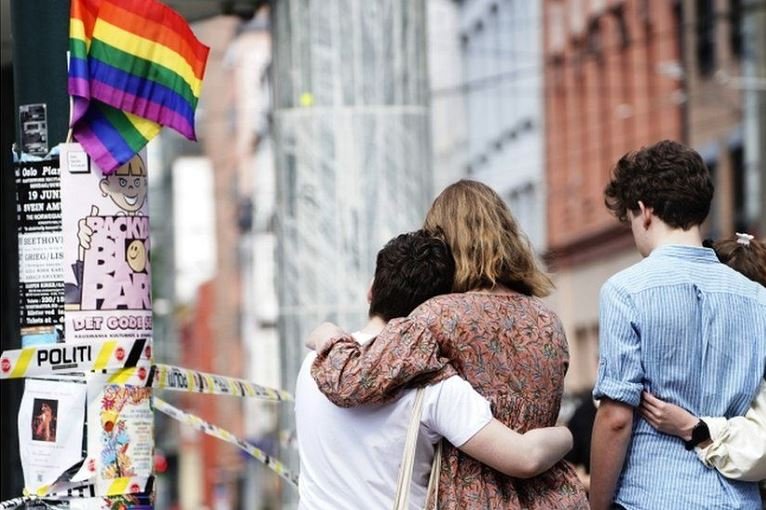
{"x": 666, "y": 417}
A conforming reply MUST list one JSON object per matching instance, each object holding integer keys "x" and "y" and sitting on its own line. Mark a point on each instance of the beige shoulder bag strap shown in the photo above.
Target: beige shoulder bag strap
{"x": 401, "y": 499}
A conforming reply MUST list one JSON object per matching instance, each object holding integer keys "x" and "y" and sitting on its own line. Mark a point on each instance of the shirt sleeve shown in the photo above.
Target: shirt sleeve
{"x": 455, "y": 411}
{"x": 738, "y": 448}
{"x": 620, "y": 372}
{"x": 406, "y": 353}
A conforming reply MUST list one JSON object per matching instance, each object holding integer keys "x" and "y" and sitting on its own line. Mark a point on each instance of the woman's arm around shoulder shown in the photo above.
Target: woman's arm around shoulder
{"x": 406, "y": 352}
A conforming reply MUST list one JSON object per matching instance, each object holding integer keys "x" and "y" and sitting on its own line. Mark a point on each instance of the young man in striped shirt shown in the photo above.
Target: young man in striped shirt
{"x": 678, "y": 324}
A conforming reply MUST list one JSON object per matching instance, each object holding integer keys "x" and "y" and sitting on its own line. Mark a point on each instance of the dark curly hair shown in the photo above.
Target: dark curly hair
{"x": 410, "y": 269}
{"x": 668, "y": 177}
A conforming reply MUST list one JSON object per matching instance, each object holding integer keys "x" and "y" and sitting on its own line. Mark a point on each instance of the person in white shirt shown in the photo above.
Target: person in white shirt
{"x": 350, "y": 457}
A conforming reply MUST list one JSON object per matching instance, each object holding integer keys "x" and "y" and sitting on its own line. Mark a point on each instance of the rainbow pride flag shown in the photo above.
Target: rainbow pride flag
{"x": 134, "y": 66}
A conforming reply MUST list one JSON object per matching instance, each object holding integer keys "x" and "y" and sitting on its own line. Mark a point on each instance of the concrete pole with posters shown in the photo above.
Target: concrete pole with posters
{"x": 40, "y": 31}
{"x": 352, "y": 151}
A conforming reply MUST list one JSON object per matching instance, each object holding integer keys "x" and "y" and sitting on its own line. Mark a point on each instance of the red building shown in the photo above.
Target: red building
{"x": 613, "y": 82}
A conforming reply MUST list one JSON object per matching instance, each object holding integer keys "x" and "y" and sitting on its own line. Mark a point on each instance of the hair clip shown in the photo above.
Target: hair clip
{"x": 744, "y": 239}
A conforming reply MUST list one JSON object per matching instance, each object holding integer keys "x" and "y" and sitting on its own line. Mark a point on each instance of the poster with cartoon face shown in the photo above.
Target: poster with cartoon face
{"x": 107, "y": 268}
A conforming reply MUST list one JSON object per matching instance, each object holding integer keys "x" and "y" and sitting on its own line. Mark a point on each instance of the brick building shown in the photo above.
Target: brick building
{"x": 713, "y": 49}
{"x": 613, "y": 83}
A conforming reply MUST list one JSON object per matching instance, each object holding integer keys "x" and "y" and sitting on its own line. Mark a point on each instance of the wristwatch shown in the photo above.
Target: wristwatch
{"x": 700, "y": 434}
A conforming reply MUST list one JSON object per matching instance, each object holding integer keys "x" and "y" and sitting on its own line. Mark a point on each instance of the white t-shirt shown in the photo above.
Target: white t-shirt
{"x": 350, "y": 457}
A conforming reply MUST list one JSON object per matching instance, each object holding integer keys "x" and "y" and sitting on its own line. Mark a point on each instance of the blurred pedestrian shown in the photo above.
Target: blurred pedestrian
{"x": 496, "y": 333}
{"x": 735, "y": 446}
{"x": 350, "y": 458}
{"x": 581, "y": 427}
{"x": 678, "y": 324}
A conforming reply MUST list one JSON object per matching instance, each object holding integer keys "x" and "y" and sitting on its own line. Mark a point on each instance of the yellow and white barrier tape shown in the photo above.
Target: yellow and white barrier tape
{"x": 212, "y": 430}
{"x": 64, "y": 489}
{"x": 99, "y": 488}
{"x": 75, "y": 357}
{"x": 15, "y": 502}
{"x": 124, "y": 485}
{"x": 184, "y": 379}
{"x": 62, "y": 501}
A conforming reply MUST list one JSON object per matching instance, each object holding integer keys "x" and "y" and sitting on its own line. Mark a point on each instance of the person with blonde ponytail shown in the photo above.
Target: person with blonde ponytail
{"x": 493, "y": 330}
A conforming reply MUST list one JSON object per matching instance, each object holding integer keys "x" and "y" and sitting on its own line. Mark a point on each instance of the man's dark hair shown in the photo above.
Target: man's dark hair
{"x": 411, "y": 268}
{"x": 668, "y": 177}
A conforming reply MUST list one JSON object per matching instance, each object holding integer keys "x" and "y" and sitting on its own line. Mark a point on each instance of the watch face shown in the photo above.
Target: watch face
{"x": 700, "y": 433}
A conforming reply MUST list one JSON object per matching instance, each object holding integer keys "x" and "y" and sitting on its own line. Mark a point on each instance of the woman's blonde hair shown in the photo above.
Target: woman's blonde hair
{"x": 487, "y": 244}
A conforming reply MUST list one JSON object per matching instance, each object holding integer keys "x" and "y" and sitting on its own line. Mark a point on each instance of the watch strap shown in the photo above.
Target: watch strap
{"x": 700, "y": 434}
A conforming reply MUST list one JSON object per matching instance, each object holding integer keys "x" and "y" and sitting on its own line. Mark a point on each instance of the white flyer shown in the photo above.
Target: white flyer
{"x": 51, "y": 421}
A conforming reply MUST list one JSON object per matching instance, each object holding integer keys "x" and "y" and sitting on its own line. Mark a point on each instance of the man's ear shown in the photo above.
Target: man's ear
{"x": 369, "y": 292}
{"x": 104, "y": 186}
{"x": 646, "y": 214}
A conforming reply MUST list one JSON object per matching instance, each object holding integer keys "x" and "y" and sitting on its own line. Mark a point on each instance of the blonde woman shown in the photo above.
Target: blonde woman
{"x": 494, "y": 331}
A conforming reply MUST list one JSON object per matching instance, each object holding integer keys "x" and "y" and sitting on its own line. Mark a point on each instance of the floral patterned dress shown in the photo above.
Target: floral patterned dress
{"x": 510, "y": 347}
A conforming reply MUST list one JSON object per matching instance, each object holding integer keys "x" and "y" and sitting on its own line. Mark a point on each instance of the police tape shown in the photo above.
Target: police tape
{"x": 208, "y": 428}
{"x": 75, "y": 357}
{"x": 124, "y": 485}
{"x": 15, "y": 502}
{"x": 63, "y": 490}
{"x": 84, "y": 496}
{"x": 108, "y": 487}
{"x": 184, "y": 379}
{"x": 52, "y": 498}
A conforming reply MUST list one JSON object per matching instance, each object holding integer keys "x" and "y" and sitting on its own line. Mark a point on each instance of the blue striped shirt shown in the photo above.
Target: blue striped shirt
{"x": 693, "y": 332}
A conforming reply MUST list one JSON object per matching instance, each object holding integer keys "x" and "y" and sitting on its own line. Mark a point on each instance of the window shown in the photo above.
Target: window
{"x": 597, "y": 7}
{"x": 645, "y": 13}
{"x": 576, "y": 17}
{"x": 622, "y": 26}
{"x": 735, "y": 27}
{"x": 524, "y": 203}
{"x": 594, "y": 38}
{"x": 714, "y": 221}
{"x": 737, "y": 159}
{"x": 705, "y": 37}
{"x": 556, "y": 29}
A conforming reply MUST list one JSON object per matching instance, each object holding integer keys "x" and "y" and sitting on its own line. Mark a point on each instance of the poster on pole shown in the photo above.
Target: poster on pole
{"x": 50, "y": 420}
{"x": 120, "y": 435}
{"x": 41, "y": 247}
{"x": 107, "y": 268}
{"x": 33, "y": 127}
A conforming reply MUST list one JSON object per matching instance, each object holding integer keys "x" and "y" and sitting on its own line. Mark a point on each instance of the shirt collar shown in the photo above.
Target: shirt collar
{"x": 686, "y": 252}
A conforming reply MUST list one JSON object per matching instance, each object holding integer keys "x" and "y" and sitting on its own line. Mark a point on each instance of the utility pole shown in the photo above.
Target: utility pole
{"x": 754, "y": 70}
{"x": 352, "y": 153}
{"x": 759, "y": 43}
{"x": 40, "y": 32}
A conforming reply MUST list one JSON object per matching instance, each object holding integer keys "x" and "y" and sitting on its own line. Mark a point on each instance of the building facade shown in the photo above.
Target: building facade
{"x": 501, "y": 48}
{"x": 713, "y": 50}
{"x": 613, "y": 83}
{"x": 217, "y": 292}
